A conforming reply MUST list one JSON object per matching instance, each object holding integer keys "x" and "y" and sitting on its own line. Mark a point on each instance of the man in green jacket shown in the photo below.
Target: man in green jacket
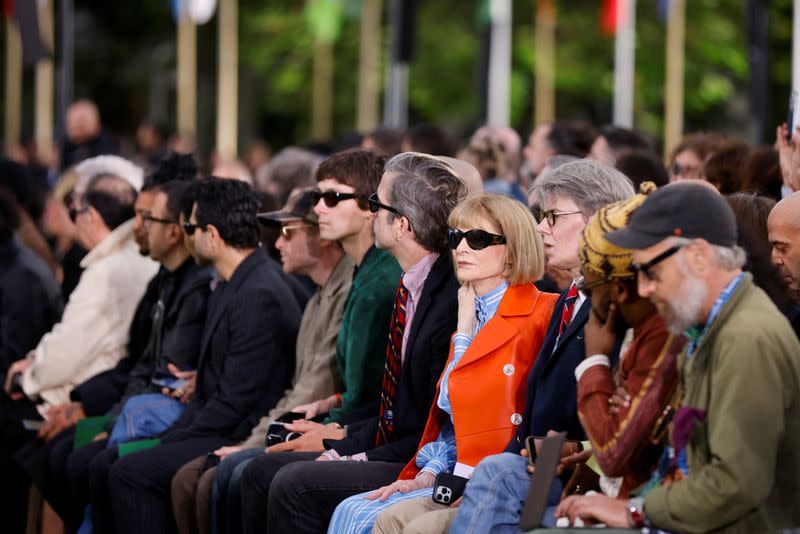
{"x": 736, "y": 436}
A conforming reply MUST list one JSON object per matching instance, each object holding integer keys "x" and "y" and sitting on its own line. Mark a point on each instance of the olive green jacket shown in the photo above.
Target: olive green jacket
{"x": 744, "y": 460}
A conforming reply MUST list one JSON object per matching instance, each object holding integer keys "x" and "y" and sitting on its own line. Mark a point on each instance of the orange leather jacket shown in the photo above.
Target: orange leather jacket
{"x": 487, "y": 387}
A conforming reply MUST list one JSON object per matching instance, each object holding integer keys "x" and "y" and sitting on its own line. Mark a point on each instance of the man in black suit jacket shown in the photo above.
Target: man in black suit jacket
{"x": 413, "y": 201}
{"x": 245, "y": 363}
{"x": 568, "y": 196}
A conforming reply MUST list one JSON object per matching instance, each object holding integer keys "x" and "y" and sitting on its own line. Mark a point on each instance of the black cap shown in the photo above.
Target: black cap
{"x": 298, "y": 208}
{"x": 683, "y": 209}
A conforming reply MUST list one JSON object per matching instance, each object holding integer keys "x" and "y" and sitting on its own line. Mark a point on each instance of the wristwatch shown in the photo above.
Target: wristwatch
{"x": 636, "y": 517}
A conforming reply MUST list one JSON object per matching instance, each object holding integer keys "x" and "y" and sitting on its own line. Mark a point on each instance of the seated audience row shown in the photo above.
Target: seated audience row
{"x": 412, "y": 391}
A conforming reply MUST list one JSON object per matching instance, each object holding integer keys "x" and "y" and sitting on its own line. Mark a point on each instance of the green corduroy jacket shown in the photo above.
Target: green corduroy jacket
{"x": 364, "y": 334}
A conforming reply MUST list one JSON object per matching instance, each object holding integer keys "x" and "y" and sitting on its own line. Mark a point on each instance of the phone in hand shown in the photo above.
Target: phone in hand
{"x": 32, "y": 425}
{"x": 170, "y": 383}
{"x": 792, "y": 117}
{"x": 448, "y": 488}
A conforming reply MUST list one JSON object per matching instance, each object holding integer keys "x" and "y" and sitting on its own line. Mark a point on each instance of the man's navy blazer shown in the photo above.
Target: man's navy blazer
{"x": 246, "y": 353}
{"x": 428, "y": 346}
{"x": 552, "y": 394}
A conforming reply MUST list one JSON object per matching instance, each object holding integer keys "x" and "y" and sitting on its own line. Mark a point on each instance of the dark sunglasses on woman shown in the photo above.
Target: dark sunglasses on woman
{"x": 476, "y": 239}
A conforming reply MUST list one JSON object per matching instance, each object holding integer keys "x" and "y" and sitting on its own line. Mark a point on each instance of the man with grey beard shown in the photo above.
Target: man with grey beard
{"x": 735, "y": 438}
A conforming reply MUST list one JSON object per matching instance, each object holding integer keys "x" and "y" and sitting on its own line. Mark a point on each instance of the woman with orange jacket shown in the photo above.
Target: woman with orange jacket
{"x": 502, "y": 319}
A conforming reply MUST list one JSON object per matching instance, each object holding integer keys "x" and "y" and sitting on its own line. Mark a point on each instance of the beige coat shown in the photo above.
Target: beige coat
{"x": 315, "y": 373}
{"x": 93, "y": 333}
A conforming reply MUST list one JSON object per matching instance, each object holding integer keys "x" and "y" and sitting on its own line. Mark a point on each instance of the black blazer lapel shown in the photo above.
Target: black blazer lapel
{"x": 219, "y": 303}
{"x": 436, "y": 278}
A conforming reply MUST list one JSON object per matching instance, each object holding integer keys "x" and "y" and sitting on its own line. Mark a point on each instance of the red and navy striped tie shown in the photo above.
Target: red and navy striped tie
{"x": 394, "y": 364}
{"x": 569, "y": 305}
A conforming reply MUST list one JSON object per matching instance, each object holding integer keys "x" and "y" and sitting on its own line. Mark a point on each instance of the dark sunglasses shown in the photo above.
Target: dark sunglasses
{"x": 646, "y": 268}
{"x": 287, "y": 231}
{"x": 150, "y": 219}
{"x": 550, "y": 215}
{"x": 332, "y": 198}
{"x": 476, "y": 239}
{"x": 189, "y": 228}
{"x": 74, "y": 212}
{"x": 375, "y": 205}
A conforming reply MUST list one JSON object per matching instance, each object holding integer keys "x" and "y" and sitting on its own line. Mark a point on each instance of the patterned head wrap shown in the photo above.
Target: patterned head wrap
{"x": 599, "y": 255}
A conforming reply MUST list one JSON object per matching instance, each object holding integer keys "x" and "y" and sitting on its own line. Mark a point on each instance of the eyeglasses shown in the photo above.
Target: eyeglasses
{"x": 476, "y": 239}
{"x": 286, "y": 231}
{"x": 147, "y": 218}
{"x": 332, "y": 198}
{"x": 646, "y": 268}
{"x": 74, "y": 212}
{"x": 189, "y": 228}
{"x": 539, "y": 214}
{"x": 375, "y": 205}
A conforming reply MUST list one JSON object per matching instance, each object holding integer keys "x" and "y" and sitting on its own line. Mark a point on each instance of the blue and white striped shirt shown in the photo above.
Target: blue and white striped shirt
{"x": 440, "y": 455}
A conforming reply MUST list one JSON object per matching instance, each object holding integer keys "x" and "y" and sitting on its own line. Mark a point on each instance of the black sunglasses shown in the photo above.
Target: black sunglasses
{"x": 646, "y": 268}
{"x": 332, "y": 198}
{"x": 476, "y": 239}
{"x": 74, "y": 212}
{"x": 150, "y": 219}
{"x": 375, "y": 205}
{"x": 189, "y": 228}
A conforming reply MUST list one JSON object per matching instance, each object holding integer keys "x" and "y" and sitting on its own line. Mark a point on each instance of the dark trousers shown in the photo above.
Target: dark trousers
{"x": 139, "y": 484}
{"x": 301, "y": 494}
{"x": 46, "y": 466}
{"x": 13, "y": 437}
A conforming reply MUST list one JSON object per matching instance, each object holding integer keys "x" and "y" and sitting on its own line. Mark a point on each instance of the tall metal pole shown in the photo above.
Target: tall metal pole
{"x": 673, "y": 86}
{"x": 796, "y": 47}
{"x": 12, "y": 127}
{"x": 322, "y": 90}
{"x": 625, "y": 63}
{"x": 499, "y": 91}
{"x": 369, "y": 75}
{"x": 65, "y": 65}
{"x": 228, "y": 79}
{"x": 187, "y": 77}
{"x": 757, "y": 48}
{"x": 544, "y": 109}
{"x": 43, "y": 125}
{"x": 396, "y": 102}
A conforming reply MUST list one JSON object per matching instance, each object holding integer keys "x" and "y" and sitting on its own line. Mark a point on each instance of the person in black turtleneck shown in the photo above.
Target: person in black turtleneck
{"x": 175, "y": 305}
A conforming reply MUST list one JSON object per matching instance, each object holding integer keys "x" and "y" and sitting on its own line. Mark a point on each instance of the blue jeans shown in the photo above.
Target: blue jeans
{"x": 226, "y": 499}
{"x": 495, "y": 495}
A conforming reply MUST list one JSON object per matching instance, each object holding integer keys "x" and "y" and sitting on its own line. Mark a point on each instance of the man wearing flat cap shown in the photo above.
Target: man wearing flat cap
{"x": 733, "y": 464}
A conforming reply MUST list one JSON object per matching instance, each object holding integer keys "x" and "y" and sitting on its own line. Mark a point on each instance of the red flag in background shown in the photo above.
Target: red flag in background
{"x": 609, "y": 19}
{"x": 8, "y": 8}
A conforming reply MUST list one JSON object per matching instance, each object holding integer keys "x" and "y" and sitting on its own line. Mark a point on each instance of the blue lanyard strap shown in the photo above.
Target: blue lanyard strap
{"x": 695, "y": 334}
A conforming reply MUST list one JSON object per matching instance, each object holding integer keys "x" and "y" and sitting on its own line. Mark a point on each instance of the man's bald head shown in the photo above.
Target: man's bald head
{"x": 467, "y": 173}
{"x": 784, "y": 237}
{"x": 83, "y": 121}
{"x": 112, "y": 197}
